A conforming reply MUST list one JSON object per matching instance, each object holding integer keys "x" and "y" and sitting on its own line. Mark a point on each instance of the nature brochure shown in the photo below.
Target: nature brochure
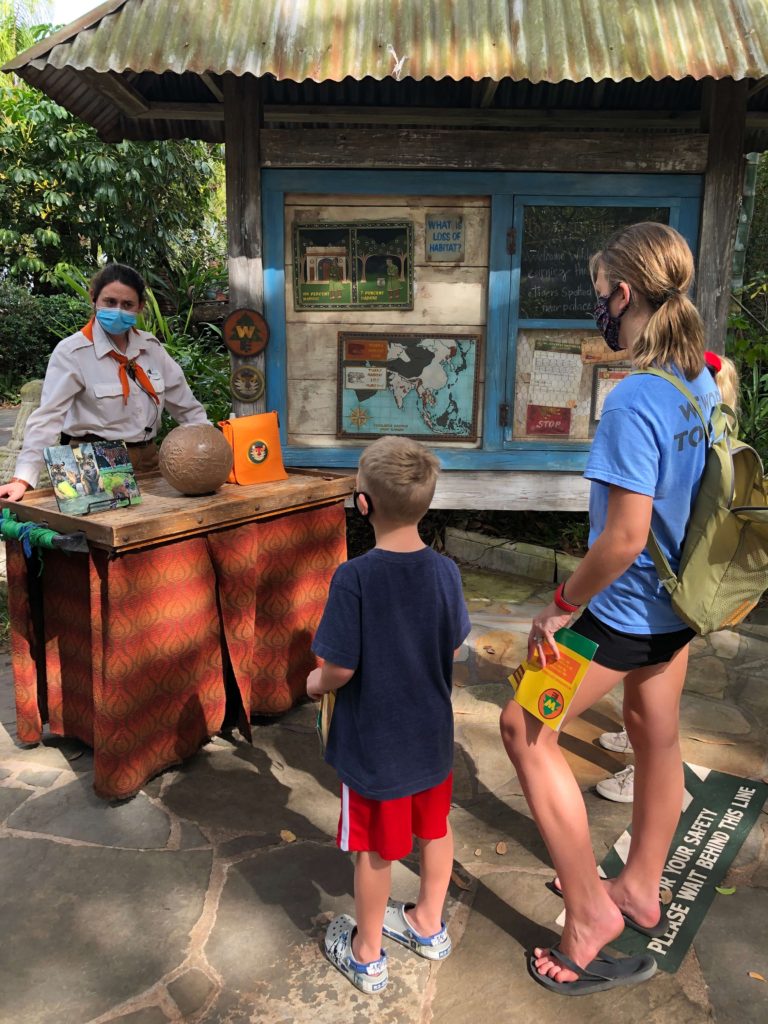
{"x": 92, "y": 477}
{"x": 546, "y": 691}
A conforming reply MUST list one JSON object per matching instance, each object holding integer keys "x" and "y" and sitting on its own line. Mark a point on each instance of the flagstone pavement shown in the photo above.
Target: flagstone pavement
{"x": 204, "y": 899}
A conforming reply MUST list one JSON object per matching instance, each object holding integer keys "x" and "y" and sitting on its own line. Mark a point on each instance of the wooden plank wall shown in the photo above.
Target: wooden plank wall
{"x": 508, "y": 490}
{"x": 448, "y": 298}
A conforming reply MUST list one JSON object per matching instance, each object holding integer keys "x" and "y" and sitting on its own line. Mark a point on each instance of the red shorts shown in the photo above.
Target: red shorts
{"x": 387, "y": 827}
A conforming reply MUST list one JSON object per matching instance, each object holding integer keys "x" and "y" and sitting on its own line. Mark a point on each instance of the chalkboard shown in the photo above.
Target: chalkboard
{"x": 557, "y": 244}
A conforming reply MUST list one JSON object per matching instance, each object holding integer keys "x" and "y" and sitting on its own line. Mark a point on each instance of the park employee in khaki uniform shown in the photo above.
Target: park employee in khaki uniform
{"x": 108, "y": 382}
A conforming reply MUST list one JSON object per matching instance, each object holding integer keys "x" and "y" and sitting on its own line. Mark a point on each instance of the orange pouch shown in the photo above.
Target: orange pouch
{"x": 255, "y": 442}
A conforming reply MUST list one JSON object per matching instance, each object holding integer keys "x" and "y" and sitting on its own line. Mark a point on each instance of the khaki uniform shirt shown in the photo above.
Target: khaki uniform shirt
{"x": 82, "y": 394}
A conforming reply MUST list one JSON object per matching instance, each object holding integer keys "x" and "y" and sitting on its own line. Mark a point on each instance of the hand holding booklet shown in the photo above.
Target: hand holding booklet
{"x": 547, "y": 690}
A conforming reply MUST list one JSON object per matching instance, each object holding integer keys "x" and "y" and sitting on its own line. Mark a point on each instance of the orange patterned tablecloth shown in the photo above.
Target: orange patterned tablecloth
{"x": 128, "y": 653}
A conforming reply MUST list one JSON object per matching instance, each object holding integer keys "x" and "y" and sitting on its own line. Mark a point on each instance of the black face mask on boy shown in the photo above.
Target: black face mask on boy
{"x": 608, "y": 324}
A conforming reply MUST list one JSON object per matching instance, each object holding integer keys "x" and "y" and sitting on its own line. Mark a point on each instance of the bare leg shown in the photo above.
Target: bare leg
{"x": 651, "y": 715}
{"x": 373, "y": 877}
{"x": 436, "y": 866}
{"x": 553, "y": 795}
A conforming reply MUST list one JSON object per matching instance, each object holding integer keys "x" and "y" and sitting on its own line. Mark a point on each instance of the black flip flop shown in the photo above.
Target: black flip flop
{"x": 599, "y": 975}
{"x": 655, "y": 931}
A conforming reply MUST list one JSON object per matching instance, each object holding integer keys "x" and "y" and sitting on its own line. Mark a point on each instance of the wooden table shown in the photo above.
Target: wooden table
{"x": 128, "y": 647}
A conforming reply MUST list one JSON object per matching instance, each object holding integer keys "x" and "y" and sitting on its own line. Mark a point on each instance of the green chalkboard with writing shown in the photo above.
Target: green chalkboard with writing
{"x": 556, "y": 246}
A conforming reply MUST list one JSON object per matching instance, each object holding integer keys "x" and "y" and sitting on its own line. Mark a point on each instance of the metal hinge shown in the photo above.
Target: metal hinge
{"x": 512, "y": 241}
{"x": 503, "y": 414}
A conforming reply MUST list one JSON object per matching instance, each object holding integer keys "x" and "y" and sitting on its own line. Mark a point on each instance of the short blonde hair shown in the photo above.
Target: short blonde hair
{"x": 727, "y": 380}
{"x": 656, "y": 262}
{"x": 400, "y": 475}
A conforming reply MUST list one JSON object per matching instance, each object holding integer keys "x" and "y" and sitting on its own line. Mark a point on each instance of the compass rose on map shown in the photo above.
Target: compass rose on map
{"x": 358, "y": 417}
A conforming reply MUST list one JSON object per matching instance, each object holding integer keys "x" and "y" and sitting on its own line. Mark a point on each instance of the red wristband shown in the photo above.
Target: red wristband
{"x": 562, "y": 603}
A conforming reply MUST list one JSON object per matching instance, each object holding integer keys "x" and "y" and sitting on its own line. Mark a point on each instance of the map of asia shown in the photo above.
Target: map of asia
{"x": 422, "y": 386}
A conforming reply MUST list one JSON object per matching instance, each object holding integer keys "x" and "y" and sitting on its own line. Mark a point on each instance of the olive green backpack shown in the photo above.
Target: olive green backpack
{"x": 723, "y": 568}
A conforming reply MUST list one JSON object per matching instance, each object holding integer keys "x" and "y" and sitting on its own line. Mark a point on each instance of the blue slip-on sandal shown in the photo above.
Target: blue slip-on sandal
{"x": 653, "y": 931}
{"x": 601, "y": 974}
{"x": 397, "y": 927}
{"x": 369, "y": 978}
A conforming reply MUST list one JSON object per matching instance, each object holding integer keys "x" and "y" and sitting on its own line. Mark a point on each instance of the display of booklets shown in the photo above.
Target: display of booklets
{"x": 93, "y": 477}
{"x": 546, "y": 691}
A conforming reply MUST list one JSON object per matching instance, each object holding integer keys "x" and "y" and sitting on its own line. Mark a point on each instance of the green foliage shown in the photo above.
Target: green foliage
{"x": 19, "y": 26}
{"x": 748, "y": 347}
{"x": 199, "y": 351}
{"x": 748, "y": 324}
{"x": 30, "y": 328}
{"x": 191, "y": 277}
{"x": 756, "y": 262}
{"x": 753, "y": 410}
{"x": 68, "y": 197}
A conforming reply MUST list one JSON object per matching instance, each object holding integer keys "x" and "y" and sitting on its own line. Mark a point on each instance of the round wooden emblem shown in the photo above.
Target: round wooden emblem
{"x": 247, "y": 383}
{"x": 245, "y": 332}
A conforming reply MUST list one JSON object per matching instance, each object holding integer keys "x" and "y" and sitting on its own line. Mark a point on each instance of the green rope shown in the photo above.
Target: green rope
{"x": 30, "y": 535}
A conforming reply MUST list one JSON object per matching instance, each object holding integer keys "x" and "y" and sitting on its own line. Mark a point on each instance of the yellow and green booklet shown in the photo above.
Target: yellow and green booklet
{"x": 547, "y": 691}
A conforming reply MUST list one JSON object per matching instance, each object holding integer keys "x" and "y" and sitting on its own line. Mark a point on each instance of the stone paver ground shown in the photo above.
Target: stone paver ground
{"x": 204, "y": 899}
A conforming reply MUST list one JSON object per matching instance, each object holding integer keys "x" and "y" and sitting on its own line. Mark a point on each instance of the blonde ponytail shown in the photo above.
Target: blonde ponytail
{"x": 656, "y": 262}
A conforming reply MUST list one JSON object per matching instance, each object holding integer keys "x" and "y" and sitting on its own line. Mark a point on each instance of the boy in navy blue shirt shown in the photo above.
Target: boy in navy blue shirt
{"x": 395, "y": 617}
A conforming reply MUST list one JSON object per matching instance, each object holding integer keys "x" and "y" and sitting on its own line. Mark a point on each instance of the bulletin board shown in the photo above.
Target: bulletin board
{"x": 562, "y": 380}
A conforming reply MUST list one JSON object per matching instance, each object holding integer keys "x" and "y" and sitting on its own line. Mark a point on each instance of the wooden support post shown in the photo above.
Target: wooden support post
{"x": 724, "y": 115}
{"x": 242, "y": 136}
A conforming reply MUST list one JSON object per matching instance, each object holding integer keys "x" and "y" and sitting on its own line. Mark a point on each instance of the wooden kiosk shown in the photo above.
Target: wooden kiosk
{"x": 524, "y": 138}
{"x": 129, "y": 647}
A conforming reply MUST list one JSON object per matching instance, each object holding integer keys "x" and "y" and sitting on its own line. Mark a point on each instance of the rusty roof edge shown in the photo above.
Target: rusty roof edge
{"x": 41, "y": 65}
{"x": 63, "y": 35}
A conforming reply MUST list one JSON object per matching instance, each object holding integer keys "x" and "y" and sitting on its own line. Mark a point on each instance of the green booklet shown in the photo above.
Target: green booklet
{"x": 92, "y": 477}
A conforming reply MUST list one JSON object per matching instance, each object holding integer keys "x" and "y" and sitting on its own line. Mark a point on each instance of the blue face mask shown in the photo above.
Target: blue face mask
{"x": 115, "y": 321}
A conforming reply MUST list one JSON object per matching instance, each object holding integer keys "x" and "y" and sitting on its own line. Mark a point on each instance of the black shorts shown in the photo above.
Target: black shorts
{"x": 627, "y": 651}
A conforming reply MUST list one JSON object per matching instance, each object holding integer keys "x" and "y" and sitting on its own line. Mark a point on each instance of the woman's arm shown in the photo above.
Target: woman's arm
{"x": 627, "y": 524}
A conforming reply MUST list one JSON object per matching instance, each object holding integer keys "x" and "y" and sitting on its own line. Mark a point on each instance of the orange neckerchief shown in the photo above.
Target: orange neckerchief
{"x": 125, "y": 367}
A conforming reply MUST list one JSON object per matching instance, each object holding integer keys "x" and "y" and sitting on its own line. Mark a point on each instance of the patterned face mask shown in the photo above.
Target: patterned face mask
{"x": 608, "y": 324}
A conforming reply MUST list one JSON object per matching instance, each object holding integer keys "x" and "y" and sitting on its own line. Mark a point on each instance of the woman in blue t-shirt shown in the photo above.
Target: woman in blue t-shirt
{"x": 645, "y": 465}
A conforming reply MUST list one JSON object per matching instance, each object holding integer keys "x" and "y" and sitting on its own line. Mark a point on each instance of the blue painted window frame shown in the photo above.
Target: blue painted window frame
{"x": 509, "y": 193}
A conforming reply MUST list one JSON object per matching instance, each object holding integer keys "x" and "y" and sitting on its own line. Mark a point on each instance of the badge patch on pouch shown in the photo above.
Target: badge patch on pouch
{"x": 258, "y": 452}
{"x": 255, "y": 444}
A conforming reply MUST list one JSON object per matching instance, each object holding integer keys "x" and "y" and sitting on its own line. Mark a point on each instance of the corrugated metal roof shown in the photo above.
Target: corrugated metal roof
{"x": 534, "y": 40}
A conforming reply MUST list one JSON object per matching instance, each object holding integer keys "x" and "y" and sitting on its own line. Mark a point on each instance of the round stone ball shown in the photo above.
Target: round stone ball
{"x": 195, "y": 459}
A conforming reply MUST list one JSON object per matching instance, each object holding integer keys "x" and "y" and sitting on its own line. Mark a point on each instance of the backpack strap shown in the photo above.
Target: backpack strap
{"x": 664, "y": 570}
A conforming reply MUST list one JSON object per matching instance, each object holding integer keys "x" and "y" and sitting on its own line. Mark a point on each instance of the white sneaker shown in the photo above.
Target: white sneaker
{"x": 618, "y": 741}
{"x": 619, "y": 787}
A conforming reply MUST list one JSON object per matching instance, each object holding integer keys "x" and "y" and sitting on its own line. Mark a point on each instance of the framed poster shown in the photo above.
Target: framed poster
{"x": 353, "y": 265}
{"x": 604, "y": 381}
{"x": 415, "y": 385}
